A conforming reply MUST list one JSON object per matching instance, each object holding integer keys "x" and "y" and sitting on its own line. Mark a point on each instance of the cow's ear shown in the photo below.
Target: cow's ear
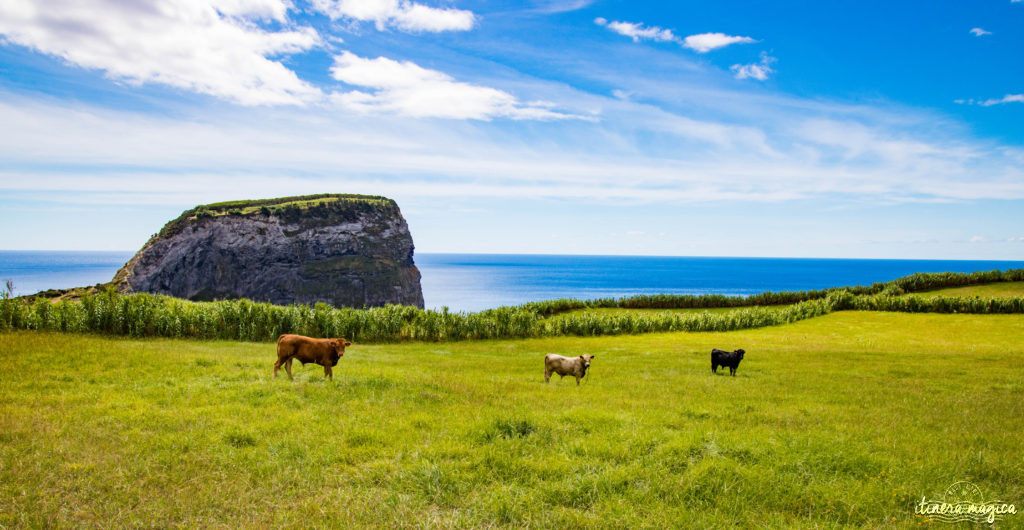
{"x": 581, "y": 357}
{"x": 593, "y": 357}
{"x": 347, "y": 343}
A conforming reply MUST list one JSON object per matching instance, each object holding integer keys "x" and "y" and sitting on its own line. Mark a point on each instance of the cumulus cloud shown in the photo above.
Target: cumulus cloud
{"x": 760, "y": 70}
{"x": 638, "y": 31}
{"x": 214, "y": 47}
{"x": 705, "y": 42}
{"x": 978, "y": 32}
{"x": 401, "y": 14}
{"x": 407, "y": 89}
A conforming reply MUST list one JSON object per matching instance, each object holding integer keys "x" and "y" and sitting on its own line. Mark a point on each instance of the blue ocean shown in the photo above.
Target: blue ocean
{"x": 471, "y": 282}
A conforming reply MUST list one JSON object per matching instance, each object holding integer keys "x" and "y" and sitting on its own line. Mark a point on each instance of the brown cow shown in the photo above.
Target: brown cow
{"x": 324, "y": 352}
{"x": 563, "y": 366}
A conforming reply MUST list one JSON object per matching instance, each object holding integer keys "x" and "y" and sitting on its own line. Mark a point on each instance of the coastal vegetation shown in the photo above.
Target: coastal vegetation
{"x": 338, "y": 205}
{"x": 986, "y": 290}
{"x": 846, "y": 420}
{"x": 145, "y": 315}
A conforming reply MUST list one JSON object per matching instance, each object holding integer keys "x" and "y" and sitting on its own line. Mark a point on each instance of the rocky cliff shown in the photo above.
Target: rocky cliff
{"x": 344, "y": 250}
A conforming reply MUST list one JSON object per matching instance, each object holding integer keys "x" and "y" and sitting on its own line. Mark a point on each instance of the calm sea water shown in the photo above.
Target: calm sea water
{"x": 471, "y": 282}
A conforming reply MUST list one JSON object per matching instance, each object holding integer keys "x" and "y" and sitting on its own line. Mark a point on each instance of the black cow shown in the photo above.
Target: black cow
{"x": 726, "y": 359}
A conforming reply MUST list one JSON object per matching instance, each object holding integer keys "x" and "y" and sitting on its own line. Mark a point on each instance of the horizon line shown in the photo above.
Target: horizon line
{"x": 1021, "y": 260}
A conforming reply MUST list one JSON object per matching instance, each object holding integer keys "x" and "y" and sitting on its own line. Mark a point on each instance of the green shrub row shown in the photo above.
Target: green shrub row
{"x": 591, "y": 324}
{"x": 914, "y": 283}
{"x": 938, "y": 304}
{"x": 145, "y": 315}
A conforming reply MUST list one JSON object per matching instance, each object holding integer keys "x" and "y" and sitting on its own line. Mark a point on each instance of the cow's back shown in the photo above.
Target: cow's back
{"x": 305, "y": 349}
{"x": 559, "y": 364}
{"x": 552, "y": 360}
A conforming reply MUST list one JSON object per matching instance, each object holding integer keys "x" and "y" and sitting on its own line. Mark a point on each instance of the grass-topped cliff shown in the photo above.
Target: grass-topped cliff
{"x": 341, "y": 249}
{"x": 324, "y": 205}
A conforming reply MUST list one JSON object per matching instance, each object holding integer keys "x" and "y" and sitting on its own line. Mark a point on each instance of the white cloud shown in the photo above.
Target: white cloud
{"x": 559, "y": 6}
{"x": 407, "y": 89}
{"x": 759, "y": 71}
{"x": 402, "y": 14}
{"x": 978, "y": 239}
{"x": 111, "y": 154}
{"x": 978, "y": 32}
{"x": 706, "y": 42}
{"x": 213, "y": 47}
{"x": 700, "y": 43}
{"x": 1009, "y": 98}
{"x": 637, "y": 31}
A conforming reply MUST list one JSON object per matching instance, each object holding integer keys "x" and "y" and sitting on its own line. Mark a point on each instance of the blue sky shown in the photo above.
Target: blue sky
{"x": 818, "y": 129}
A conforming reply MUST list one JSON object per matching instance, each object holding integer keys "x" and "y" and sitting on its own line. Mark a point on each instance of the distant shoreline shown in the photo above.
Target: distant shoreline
{"x": 471, "y": 282}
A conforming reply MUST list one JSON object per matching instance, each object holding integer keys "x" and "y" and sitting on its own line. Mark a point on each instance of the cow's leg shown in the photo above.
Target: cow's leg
{"x": 547, "y": 376}
{"x": 277, "y": 366}
{"x": 328, "y": 373}
{"x": 577, "y": 380}
{"x": 732, "y": 371}
{"x": 714, "y": 368}
{"x": 288, "y": 368}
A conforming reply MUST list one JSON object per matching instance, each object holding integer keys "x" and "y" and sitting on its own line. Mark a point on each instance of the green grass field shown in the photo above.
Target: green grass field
{"x": 989, "y": 290}
{"x": 841, "y": 420}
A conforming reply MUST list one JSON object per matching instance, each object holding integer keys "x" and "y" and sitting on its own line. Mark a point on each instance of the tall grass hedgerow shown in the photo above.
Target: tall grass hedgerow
{"x": 908, "y": 284}
{"x": 145, "y": 315}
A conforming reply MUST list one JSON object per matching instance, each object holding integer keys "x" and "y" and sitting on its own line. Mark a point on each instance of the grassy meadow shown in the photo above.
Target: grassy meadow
{"x": 988, "y": 290}
{"x": 843, "y": 420}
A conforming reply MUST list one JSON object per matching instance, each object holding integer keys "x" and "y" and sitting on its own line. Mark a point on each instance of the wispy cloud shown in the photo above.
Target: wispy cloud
{"x": 215, "y": 47}
{"x": 560, "y": 6}
{"x": 700, "y": 43}
{"x": 978, "y": 32}
{"x": 407, "y": 89}
{"x": 1009, "y": 98}
{"x": 401, "y": 14}
{"x": 637, "y": 31}
{"x": 760, "y": 70}
{"x": 111, "y": 153}
{"x": 706, "y": 42}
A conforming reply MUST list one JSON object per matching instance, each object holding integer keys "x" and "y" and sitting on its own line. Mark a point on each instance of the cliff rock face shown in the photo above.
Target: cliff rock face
{"x": 344, "y": 250}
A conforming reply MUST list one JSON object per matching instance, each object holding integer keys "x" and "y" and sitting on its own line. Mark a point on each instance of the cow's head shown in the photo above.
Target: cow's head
{"x": 741, "y": 352}
{"x": 339, "y": 346}
{"x": 585, "y": 359}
